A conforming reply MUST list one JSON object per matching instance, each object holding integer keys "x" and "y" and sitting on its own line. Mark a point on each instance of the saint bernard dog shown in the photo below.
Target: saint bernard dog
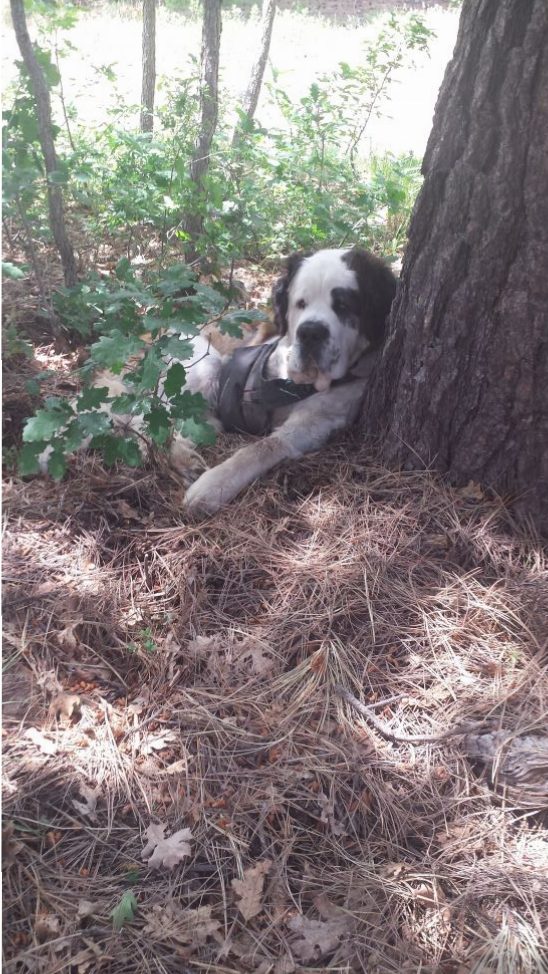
{"x": 291, "y": 393}
{"x": 330, "y": 309}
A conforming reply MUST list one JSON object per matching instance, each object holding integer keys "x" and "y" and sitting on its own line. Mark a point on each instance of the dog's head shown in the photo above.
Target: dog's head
{"x": 331, "y": 306}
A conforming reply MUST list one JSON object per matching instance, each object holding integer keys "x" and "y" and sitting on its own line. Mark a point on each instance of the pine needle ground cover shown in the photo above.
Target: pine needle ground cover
{"x": 186, "y": 788}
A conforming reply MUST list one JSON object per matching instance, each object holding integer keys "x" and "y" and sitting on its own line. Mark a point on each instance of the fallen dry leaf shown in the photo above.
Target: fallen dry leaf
{"x": 255, "y": 657}
{"x": 46, "y": 926}
{"x": 65, "y": 704}
{"x": 158, "y": 742}
{"x": 250, "y": 889}
{"x": 316, "y": 938}
{"x": 11, "y": 847}
{"x": 66, "y": 637}
{"x": 178, "y": 767}
{"x": 90, "y": 796}
{"x": 202, "y": 646}
{"x": 191, "y": 927}
{"x": 86, "y": 908}
{"x": 46, "y": 746}
{"x": 166, "y": 852}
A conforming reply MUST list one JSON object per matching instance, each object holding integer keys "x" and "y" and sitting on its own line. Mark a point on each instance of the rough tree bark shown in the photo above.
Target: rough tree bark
{"x": 149, "y": 65}
{"x": 43, "y": 111}
{"x": 463, "y": 383}
{"x": 251, "y": 96}
{"x": 209, "y": 103}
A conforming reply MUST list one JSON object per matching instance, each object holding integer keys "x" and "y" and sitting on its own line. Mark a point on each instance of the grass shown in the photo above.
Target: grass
{"x": 384, "y": 856}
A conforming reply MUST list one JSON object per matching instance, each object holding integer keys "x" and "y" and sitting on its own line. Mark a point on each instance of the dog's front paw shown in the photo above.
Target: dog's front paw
{"x": 185, "y": 459}
{"x": 206, "y": 495}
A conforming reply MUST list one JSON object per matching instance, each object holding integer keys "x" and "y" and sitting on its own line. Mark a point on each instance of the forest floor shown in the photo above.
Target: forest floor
{"x": 187, "y": 785}
{"x": 180, "y": 683}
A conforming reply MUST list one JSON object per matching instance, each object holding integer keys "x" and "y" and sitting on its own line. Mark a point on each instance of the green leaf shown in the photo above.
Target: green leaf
{"x": 129, "y": 453}
{"x": 46, "y": 422}
{"x": 187, "y": 404}
{"x": 200, "y": 433}
{"x": 57, "y": 176}
{"x": 176, "y": 347}
{"x": 114, "y": 350}
{"x": 27, "y": 462}
{"x": 123, "y": 270}
{"x": 93, "y": 424}
{"x": 158, "y": 423}
{"x": 154, "y": 323}
{"x": 108, "y": 445}
{"x": 231, "y": 328}
{"x": 57, "y": 465}
{"x": 11, "y": 270}
{"x": 32, "y": 387}
{"x": 175, "y": 379}
{"x": 130, "y": 404}
{"x": 71, "y": 438}
{"x": 151, "y": 369}
{"x": 91, "y": 398}
{"x": 124, "y": 911}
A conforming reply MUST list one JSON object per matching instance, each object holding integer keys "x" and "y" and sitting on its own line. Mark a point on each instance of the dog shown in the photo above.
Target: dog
{"x": 330, "y": 311}
{"x": 293, "y": 392}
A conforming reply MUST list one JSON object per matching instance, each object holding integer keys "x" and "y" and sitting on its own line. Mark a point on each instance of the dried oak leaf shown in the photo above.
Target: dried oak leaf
{"x": 90, "y": 796}
{"x": 157, "y": 742}
{"x": 316, "y": 938}
{"x": 166, "y": 852}
{"x": 66, "y": 637}
{"x": 191, "y": 927}
{"x": 86, "y": 909}
{"x": 11, "y": 847}
{"x": 65, "y": 705}
{"x": 46, "y": 746}
{"x": 256, "y": 657}
{"x": 250, "y": 889}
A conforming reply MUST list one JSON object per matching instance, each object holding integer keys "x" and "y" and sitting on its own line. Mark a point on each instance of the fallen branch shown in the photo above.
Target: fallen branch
{"x": 384, "y": 731}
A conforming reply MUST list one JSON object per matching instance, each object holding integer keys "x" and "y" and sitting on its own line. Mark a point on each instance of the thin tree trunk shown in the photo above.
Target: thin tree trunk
{"x": 43, "y": 111}
{"x": 149, "y": 65}
{"x": 209, "y": 105}
{"x": 463, "y": 383}
{"x": 251, "y": 98}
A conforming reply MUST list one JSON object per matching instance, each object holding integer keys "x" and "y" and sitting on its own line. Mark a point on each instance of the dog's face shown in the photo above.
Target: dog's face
{"x": 331, "y": 306}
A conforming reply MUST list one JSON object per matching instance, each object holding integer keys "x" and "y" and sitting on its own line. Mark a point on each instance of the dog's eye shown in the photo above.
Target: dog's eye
{"x": 301, "y": 303}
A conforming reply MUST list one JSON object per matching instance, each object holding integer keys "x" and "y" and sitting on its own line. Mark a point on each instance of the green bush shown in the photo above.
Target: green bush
{"x": 304, "y": 184}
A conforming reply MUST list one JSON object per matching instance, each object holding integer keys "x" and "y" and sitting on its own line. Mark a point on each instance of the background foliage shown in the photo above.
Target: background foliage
{"x": 304, "y": 183}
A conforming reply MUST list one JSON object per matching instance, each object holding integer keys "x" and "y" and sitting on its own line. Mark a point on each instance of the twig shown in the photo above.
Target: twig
{"x": 381, "y": 727}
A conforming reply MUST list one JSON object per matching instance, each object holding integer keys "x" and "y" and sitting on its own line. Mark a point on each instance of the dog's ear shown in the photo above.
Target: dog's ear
{"x": 377, "y": 286}
{"x": 280, "y": 291}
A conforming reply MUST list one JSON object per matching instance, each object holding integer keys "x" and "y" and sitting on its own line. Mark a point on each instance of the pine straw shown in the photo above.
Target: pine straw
{"x": 205, "y": 658}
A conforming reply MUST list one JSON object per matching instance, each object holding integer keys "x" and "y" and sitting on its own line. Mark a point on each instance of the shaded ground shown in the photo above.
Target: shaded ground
{"x": 161, "y": 672}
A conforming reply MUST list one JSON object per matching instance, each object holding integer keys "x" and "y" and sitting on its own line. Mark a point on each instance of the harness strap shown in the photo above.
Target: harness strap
{"x": 247, "y": 398}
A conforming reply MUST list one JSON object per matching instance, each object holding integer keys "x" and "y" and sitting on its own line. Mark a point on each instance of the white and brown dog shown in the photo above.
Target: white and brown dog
{"x": 330, "y": 310}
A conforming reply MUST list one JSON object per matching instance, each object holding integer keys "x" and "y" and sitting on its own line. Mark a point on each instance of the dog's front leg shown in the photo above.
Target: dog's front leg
{"x": 310, "y": 424}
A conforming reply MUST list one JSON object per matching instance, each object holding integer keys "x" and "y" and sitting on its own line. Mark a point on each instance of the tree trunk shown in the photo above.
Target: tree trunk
{"x": 463, "y": 383}
{"x": 43, "y": 111}
{"x": 251, "y": 97}
{"x": 149, "y": 65}
{"x": 209, "y": 103}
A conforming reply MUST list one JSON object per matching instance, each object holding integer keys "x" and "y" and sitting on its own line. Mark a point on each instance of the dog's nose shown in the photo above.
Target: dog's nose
{"x": 312, "y": 332}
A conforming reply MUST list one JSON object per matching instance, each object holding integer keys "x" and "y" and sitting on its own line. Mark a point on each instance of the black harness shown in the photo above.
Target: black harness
{"x": 247, "y": 399}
